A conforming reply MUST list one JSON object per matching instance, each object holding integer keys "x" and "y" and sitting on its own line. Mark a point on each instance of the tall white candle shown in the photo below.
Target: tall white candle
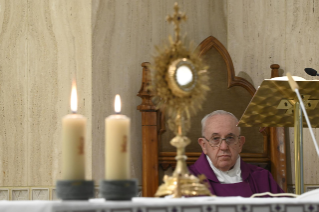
{"x": 117, "y": 144}
{"x": 73, "y": 140}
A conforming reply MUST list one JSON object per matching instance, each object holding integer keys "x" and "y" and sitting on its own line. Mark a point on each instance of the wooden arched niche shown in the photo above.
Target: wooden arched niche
{"x": 228, "y": 92}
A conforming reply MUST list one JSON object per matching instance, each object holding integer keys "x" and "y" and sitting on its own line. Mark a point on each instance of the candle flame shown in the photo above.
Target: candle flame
{"x": 74, "y": 98}
{"x": 117, "y": 104}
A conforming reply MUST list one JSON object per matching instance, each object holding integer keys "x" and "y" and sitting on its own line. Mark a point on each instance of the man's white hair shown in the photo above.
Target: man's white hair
{"x": 217, "y": 112}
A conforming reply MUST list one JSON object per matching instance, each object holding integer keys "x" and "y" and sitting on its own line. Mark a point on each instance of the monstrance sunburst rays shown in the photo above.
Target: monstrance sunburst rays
{"x": 164, "y": 98}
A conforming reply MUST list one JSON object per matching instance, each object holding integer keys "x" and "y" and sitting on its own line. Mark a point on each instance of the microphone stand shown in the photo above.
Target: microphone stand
{"x": 294, "y": 86}
{"x": 298, "y": 124}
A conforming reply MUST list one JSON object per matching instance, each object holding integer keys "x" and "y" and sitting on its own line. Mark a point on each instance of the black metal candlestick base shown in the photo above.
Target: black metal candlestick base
{"x": 118, "y": 189}
{"x": 75, "y": 189}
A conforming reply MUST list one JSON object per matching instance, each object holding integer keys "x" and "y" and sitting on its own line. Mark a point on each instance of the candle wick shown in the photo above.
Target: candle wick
{"x": 117, "y": 112}
{"x": 73, "y": 112}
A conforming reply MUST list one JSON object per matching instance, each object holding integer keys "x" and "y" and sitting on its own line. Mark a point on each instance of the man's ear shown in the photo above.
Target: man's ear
{"x": 242, "y": 140}
{"x": 202, "y": 143}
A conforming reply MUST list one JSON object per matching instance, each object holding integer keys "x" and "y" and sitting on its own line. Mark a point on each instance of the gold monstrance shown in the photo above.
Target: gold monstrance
{"x": 180, "y": 84}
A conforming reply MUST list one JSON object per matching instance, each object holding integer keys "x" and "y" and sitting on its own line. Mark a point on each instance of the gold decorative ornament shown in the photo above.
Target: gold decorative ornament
{"x": 288, "y": 104}
{"x": 169, "y": 94}
{"x": 180, "y": 84}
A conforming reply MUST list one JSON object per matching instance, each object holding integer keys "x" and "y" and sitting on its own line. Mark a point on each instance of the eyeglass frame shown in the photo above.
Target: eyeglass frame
{"x": 221, "y": 141}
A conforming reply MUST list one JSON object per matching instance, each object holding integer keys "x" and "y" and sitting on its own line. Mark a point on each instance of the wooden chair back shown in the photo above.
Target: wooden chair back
{"x": 264, "y": 147}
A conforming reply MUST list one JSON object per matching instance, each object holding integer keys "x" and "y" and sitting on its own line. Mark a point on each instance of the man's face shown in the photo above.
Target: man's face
{"x": 223, "y": 157}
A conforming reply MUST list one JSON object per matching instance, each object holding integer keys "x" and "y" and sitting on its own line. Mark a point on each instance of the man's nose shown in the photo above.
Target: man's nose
{"x": 223, "y": 145}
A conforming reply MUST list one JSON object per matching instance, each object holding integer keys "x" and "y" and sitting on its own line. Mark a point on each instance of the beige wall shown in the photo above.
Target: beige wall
{"x": 124, "y": 35}
{"x": 43, "y": 44}
{"x": 261, "y": 33}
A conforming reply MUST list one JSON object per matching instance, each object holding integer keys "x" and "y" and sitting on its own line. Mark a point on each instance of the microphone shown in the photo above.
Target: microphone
{"x": 311, "y": 72}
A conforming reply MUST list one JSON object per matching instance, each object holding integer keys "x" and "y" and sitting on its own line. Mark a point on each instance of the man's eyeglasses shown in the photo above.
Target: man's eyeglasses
{"x": 216, "y": 141}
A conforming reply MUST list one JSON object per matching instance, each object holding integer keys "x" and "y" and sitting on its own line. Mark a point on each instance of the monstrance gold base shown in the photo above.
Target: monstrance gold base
{"x": 183, "y": 185}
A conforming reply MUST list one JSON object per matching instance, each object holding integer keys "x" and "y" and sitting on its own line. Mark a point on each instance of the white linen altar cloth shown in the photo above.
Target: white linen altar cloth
{"x": 195, "y": 204}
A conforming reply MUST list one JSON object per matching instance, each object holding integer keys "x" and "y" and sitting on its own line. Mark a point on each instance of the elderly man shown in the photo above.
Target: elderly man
{"x": 220, "y": 162}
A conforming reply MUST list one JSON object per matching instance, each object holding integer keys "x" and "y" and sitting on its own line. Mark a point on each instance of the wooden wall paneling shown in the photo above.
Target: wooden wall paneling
{"x": 13, "y": 94}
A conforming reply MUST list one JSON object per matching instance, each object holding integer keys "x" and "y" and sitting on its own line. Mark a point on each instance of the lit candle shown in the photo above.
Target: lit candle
{"x": 73, "y": 140}
{"x": 117, "y": 143}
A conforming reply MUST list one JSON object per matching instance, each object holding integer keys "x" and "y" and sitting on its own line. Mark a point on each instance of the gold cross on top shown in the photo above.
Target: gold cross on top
{"x": 177, "y": 18}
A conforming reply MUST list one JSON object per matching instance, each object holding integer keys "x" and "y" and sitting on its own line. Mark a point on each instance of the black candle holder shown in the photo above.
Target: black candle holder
{"x": 75, "y": 189}
{"x": 118, "y": 189}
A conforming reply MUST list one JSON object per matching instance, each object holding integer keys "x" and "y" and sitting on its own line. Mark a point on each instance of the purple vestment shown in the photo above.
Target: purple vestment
{"x": 255, "y": 180}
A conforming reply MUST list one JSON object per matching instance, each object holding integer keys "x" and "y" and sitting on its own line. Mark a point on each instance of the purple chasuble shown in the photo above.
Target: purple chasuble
{"x": 255, "y": 180}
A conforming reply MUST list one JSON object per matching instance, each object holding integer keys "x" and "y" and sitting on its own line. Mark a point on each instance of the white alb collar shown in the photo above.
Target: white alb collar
{"x": 230, "y": 176}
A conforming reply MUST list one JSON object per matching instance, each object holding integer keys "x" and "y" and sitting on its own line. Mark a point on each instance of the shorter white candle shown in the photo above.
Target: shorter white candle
{"x": 117, "y": 144}
{"x": 73, "y": 140}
